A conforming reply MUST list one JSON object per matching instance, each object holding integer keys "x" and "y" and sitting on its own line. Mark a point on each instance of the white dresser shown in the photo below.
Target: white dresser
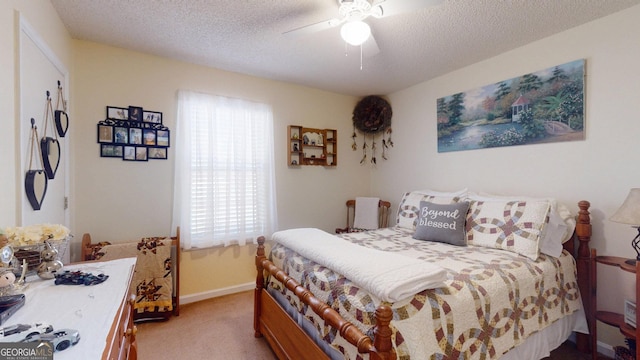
{"x": 101, "y": 313}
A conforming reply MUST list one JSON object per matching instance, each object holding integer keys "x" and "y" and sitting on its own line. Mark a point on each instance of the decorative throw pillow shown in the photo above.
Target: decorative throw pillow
{"x": 560, "y": 225}
{"x": 410, "y": 204}
{"x": 442, "y": 223}
{"x": 514, "y": 226}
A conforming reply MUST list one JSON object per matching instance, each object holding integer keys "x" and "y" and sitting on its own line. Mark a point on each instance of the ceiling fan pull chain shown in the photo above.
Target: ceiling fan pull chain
{"x": 360, "y": 56}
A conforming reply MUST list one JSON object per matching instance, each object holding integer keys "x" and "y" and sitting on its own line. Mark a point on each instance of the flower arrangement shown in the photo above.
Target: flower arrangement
{"x": 34, "y": 234}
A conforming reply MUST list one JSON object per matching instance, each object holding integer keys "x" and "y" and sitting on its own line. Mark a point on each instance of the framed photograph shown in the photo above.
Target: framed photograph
{"x": 135, "y": 113}
{"x": 157, "y": 153}
{"x": 110, "y": 150}
{"x": 117, "y": 113}
{"x": 152, "y": 117}
{"x": 141, "y": 153}
{"x": 105, "y": 133}
{"x": 149, "y": 137}
{"x": 162, "y": 138}
{"x": 129, "y": 153}
{"x": 121, "y": 135}
{"x": 135, "y": 136}
{"x": 134, "y": 124}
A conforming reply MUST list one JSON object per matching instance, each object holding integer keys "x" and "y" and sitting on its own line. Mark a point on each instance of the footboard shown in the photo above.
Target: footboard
{"x": 289, "y": 341}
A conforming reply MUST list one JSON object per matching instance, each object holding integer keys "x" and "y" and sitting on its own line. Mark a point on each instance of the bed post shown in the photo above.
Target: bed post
{"x": 380, "y": 348}
{"x": 382, "y": 335}
{"x": 257, "y": 307}
{"x": 584, "y": 263}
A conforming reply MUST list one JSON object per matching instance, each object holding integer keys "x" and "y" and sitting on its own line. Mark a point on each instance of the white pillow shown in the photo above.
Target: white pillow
{"x": 407, "y": 216}
{"x": 462, "y": 194}
{"x": 559, "y": 228}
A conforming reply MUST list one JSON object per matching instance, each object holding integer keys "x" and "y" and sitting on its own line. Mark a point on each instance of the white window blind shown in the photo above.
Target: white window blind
{"x": 224, "y": 175}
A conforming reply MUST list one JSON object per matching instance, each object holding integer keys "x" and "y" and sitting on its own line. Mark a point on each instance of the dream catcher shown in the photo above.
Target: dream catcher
{"x": 372, "y": 116}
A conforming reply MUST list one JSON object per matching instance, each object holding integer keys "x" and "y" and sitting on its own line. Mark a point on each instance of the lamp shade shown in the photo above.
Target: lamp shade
{"x": 629, "y": 212}
{"x": 355, "y": 32}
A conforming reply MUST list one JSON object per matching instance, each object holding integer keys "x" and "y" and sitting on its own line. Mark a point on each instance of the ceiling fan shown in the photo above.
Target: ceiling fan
{"x": 352, "y": 14}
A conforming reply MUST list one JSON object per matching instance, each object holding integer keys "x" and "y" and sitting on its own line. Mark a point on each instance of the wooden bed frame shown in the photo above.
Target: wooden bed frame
{"x": 89, "y": 249}
{"x": 289, "y": 341}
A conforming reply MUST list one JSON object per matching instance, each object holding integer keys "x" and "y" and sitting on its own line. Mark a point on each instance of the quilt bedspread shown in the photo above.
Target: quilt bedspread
{"x": 152, "y": 280}
{"x": 492, "y": 301}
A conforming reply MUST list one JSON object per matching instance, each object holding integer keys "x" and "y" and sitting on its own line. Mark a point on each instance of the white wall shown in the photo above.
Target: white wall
{"x": 600, "y": 169}
{"x": 113, "y": 199}
{"x": 44, "y": 20}
{"x": 124, "y": 200}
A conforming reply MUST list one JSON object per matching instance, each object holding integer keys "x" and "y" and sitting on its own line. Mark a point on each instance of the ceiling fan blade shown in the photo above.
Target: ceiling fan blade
{"x": 395, "y": 7}
{"x": 370, "y": 47}
{"x": 313, "y": 28}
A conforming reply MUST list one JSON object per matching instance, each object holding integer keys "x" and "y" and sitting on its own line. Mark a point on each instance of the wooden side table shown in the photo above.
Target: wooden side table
{"x": 613, "y": 318}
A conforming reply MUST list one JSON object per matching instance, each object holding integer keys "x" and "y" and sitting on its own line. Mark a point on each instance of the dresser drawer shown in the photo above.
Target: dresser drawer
{"x": 121, "y": 343}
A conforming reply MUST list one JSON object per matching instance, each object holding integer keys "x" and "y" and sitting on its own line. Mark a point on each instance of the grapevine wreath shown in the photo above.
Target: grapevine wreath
{"x": 372, "y": 115}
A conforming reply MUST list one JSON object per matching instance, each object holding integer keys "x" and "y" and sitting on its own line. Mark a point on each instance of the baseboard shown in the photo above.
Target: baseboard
{"x": 186, "y": 299}
{"x": 606, "y": 350}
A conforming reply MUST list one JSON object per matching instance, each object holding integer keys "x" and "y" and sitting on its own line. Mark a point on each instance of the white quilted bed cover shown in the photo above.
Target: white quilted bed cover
{"x": 492, "y": 302}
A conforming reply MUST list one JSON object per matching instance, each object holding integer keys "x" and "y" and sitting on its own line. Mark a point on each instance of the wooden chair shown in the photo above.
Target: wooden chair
{"x": 383, "y": 215}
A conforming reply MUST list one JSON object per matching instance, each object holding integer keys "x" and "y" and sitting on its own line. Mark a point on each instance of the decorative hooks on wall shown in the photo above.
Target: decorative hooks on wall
{"x": 48, "y": 149}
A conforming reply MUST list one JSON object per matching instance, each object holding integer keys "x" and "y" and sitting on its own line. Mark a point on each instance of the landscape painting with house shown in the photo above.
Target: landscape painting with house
{"x": 541, "y": 107}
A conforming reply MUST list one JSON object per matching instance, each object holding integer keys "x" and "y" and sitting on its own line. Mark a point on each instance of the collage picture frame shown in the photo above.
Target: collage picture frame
{"x": 133, "y": 134}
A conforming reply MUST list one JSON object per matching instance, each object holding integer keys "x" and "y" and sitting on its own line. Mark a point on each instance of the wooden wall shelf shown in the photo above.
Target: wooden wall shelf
{"x": 310, "y": 146}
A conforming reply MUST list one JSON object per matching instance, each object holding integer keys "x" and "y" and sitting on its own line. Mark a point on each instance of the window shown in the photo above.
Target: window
{"x": 224, "y": 175}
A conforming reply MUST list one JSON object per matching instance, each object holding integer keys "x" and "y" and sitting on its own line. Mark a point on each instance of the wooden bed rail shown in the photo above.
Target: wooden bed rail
{"x": 380, "y": 348}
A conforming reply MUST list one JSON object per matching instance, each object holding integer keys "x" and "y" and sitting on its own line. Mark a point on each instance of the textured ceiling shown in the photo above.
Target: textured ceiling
{"x": 246, "y": 36}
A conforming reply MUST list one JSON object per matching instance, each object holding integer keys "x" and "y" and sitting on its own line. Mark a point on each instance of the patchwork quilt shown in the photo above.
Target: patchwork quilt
{"x": 152, "y": 281}
{"x": 491, "y": 302}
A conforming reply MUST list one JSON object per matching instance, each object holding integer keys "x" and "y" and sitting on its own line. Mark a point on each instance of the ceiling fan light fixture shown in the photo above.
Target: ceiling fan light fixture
{"x": 355, "y": 32}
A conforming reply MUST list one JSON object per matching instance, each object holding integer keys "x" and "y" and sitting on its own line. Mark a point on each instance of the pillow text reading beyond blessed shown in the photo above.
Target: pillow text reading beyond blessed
{"x": 407, "y": 216}
{"x": 442, "y": 223}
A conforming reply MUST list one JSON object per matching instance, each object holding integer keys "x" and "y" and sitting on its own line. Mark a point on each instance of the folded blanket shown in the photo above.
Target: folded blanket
{"x": 152, "y": 280}
{"x": 388, "y": 276}
{"x": 366, "y": 213}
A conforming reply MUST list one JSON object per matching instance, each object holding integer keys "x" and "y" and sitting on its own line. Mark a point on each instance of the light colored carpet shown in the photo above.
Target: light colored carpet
{"x": 222, "y": 328}
{"x": 219, "y": 328}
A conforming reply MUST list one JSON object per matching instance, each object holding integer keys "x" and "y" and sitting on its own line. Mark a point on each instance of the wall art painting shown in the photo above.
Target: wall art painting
{"x": 541, "y": 107}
